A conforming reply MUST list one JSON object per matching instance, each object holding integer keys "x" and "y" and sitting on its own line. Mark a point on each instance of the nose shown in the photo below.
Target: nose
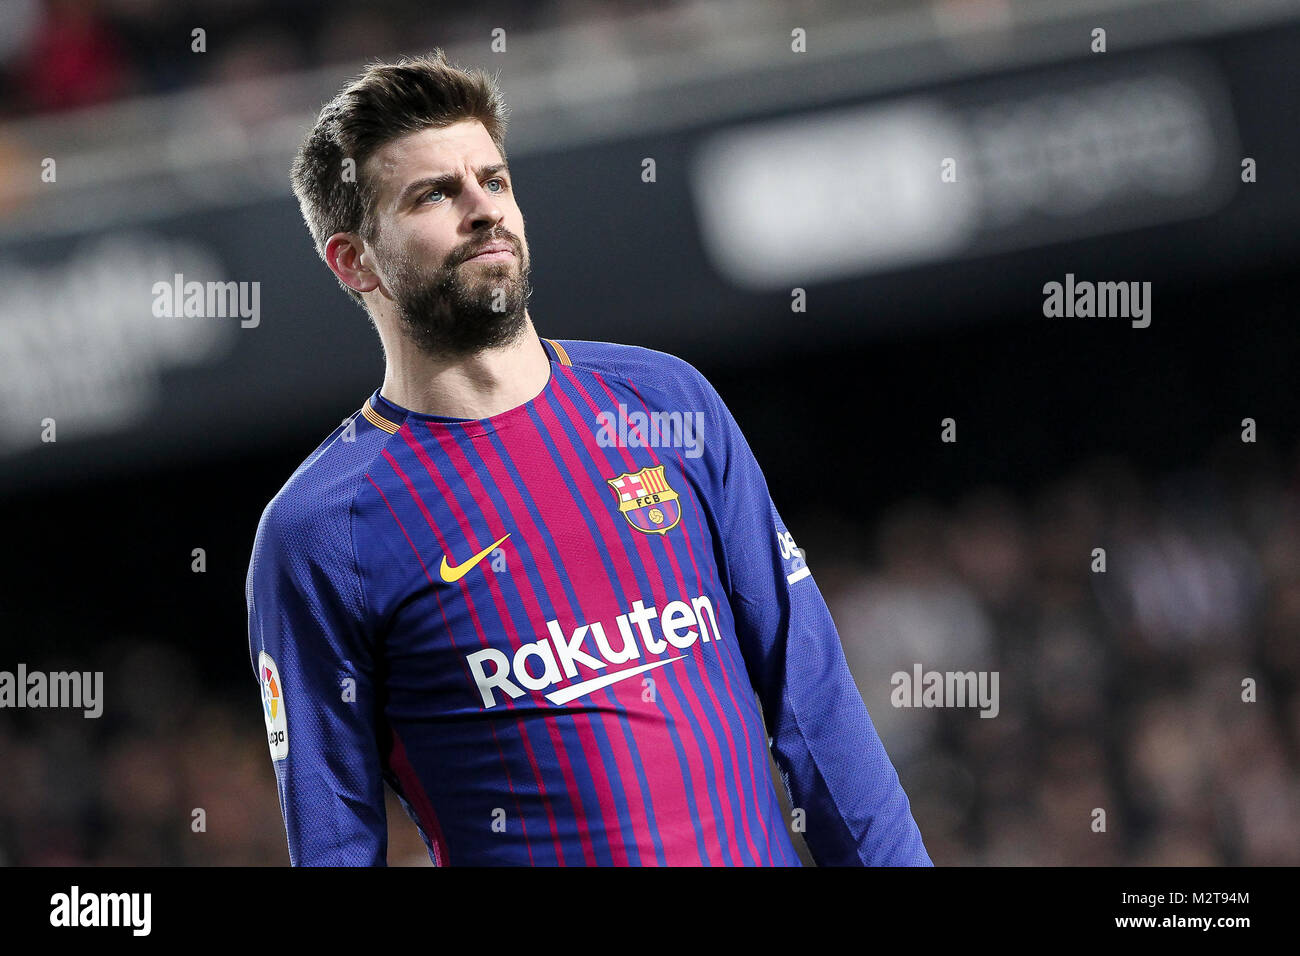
{"x": 484, "y": 209}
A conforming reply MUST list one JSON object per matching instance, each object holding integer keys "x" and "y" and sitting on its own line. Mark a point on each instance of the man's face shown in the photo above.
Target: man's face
{"x": 443, "y": 196}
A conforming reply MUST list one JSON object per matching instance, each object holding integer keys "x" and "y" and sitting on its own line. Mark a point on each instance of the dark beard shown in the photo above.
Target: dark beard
{"x": 450, "y": 313}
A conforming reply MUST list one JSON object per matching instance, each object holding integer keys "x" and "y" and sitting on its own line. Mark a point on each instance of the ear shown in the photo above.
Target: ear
{"x": 344, "y": 255}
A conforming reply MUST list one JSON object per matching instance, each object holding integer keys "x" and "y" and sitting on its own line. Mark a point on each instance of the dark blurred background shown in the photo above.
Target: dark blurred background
{"x": 1167, "y": 158}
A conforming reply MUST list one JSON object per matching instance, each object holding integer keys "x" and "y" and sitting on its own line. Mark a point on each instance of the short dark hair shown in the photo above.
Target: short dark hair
{"x": 386, "y": 101}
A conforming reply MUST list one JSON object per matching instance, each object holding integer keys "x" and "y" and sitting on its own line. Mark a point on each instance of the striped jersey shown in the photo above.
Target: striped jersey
{"x": 562, "y": 635}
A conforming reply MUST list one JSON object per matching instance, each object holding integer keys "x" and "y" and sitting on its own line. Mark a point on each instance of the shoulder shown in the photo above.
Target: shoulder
{"x": 637, "y": 365}
{"x": 311, "y": 515}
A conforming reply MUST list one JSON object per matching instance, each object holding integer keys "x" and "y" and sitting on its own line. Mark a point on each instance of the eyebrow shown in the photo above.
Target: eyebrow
{"x": 446, "y": 180}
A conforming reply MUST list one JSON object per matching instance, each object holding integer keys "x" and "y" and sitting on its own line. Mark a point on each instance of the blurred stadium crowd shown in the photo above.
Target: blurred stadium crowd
{"x": 1120, "y": 691}
{"x": 63, "y": 54}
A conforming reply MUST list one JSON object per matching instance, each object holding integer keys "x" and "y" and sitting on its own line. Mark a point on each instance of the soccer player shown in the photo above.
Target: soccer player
{"x": 537, "y": 587}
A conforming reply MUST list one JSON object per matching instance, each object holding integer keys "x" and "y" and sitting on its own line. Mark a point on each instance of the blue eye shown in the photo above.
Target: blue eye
{"x": 434, "y": 192}
{"x": 501, "y": 181}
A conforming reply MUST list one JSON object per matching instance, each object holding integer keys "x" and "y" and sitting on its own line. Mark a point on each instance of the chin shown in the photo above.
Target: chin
{"x": 496, "y": 268}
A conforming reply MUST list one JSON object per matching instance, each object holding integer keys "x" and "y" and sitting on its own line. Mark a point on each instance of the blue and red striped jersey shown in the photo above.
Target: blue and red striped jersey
{"x": 556, "y": 634}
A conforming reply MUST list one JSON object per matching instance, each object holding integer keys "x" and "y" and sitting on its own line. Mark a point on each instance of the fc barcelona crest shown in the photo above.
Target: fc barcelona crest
{"x": 647, "y": 501}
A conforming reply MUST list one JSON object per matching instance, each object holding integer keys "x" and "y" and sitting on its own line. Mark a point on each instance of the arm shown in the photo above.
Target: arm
{"x": 834, "y": 764}
{"x": 305, "y": 613}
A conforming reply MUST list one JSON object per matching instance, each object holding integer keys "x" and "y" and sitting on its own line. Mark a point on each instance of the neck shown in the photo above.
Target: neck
{"x": 476, "y": 386}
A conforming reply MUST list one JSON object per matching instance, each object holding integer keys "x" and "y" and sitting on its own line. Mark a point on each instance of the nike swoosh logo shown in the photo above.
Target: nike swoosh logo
{"x": 452, "y": 574}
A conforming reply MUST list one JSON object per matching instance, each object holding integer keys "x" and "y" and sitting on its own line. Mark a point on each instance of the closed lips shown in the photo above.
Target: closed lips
{"x": 492, "y": 247}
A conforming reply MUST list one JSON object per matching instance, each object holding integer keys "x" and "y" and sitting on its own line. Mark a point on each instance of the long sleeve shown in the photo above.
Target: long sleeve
{"x": 310, "y": 654}
{"x": 834, "y": 764}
